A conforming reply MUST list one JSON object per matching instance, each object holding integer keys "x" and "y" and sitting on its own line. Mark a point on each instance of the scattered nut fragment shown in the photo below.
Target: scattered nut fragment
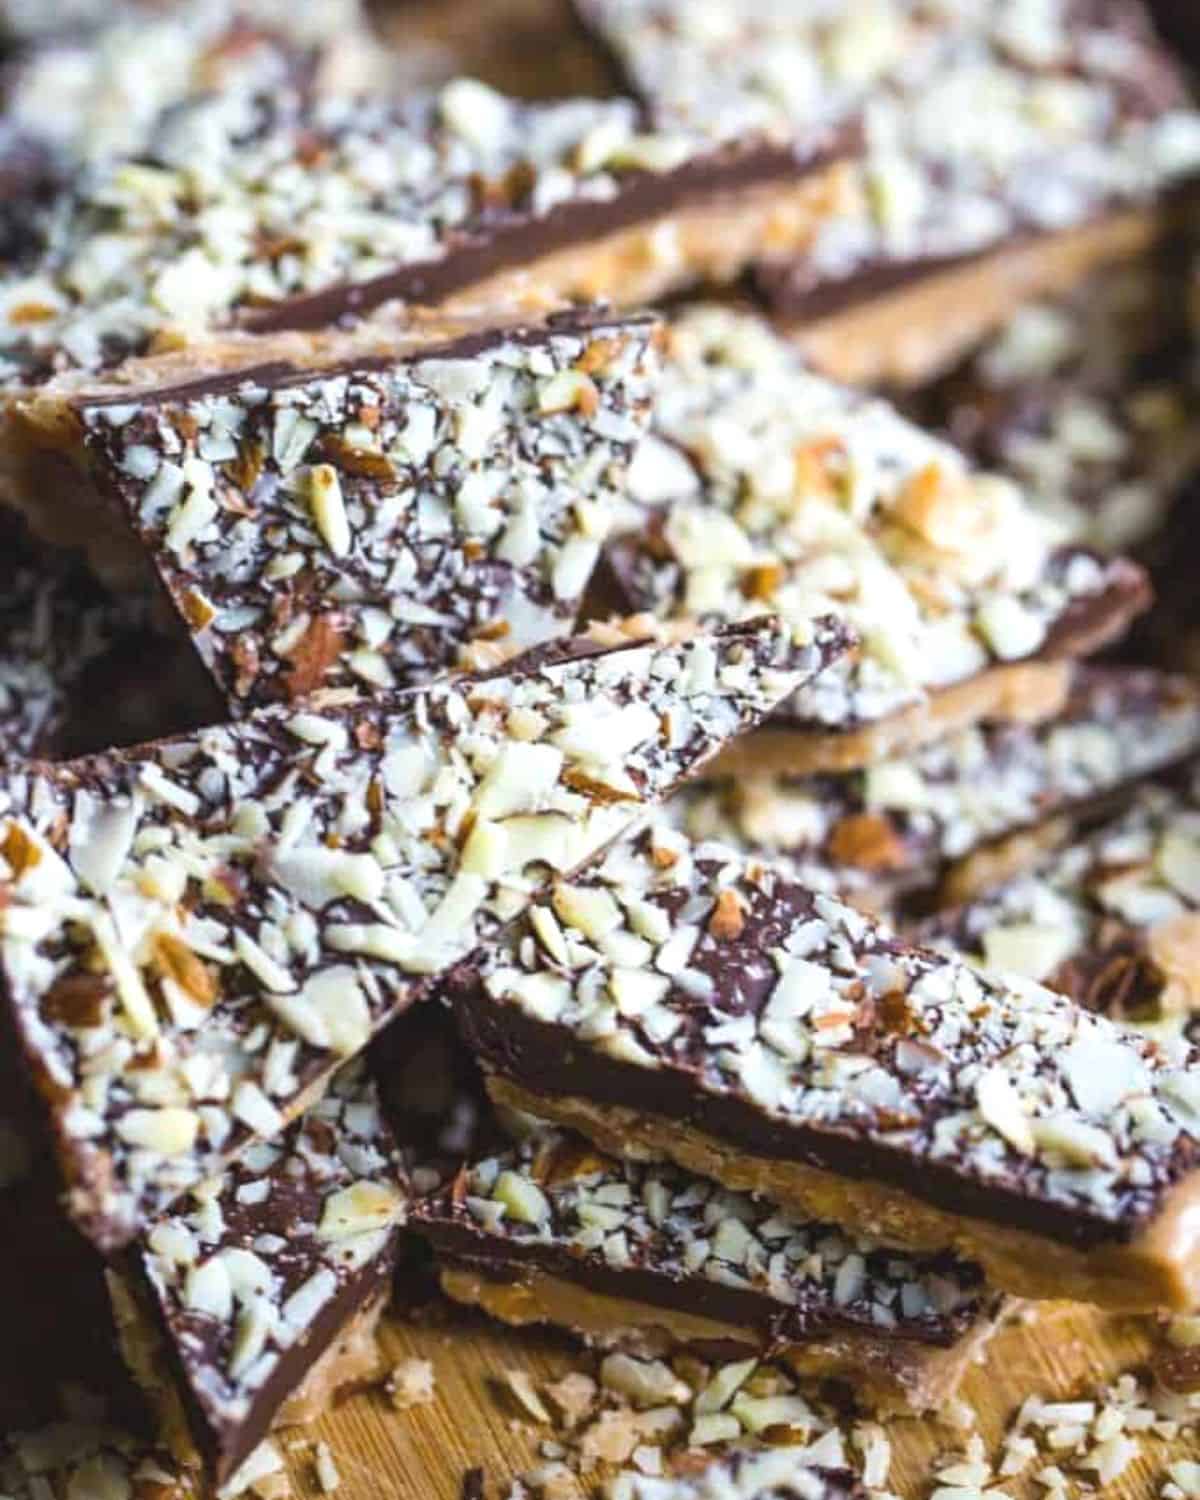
{"x": 727, "y": 920}
{"x": 646, "y": 1382}
{"x": 411, "y": 1383}
{"x": 574, "y": 1395}
{"x": 611, "y": 1438}
{"x": 327, "y": 1474}
{"x": 1174, "y": 945}
{"x": 520, "y": 1383}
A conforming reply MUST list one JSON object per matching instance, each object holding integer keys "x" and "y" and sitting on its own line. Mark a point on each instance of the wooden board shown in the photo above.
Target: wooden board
{"x": 530, "y": 47}
{"x": 422, "y": 1454}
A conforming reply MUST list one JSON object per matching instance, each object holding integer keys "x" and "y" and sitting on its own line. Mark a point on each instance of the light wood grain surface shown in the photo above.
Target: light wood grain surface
{"x": 531, "y": 48}
{"x": 422, "y": 1454}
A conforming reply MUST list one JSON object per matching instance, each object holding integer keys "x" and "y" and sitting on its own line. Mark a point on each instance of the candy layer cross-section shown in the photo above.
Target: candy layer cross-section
{"x": 682, "y": 1003}
{"x": 196, "y": 933}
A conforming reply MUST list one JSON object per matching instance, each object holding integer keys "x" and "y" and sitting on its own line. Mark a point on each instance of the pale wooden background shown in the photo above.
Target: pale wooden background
{"x": 422, "y": 1454}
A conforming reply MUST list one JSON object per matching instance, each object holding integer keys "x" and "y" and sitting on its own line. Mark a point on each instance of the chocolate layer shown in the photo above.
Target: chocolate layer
{"x": 503, "y": 240}
{"x": 382, "y": 522}
{"x": 683, "y": 1244}
{"x": 788, "y": 1027}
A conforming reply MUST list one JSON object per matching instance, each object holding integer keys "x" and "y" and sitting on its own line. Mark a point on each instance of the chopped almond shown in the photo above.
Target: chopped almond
{"x": 728, "y": 920}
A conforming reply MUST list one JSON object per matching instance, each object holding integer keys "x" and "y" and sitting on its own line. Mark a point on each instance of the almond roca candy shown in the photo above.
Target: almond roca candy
{"x": 766, "y": 487}
{"x": 682, "y": 1003}
{"x": 653, "y": 1260}
{"x": 372, "y": 524}
{"x": 195, "y": 934}
{"x": 284, "y": 211}
{"x": 256, "y": 1298}
{"x": 1008, "y": 150}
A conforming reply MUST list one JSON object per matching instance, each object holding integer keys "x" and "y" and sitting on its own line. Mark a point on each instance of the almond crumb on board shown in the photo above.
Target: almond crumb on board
{"x": 574, "y": 1396}
{"x": 326, "y": 1470}
{"x": 410, "y": 1384}
{"x": 520, "y": 1383}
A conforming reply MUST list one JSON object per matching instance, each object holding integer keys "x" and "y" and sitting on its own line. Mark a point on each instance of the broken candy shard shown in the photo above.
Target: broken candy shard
{"x": 765, "y": 486}
{"x": 1069, "y": 138}
{"x": 1069, "y": 133}
{"x": 89, "y": 92}
{"x": 195, "y": 934}
{"x": 255, "y": 1299}
{"x": 679, "y": 1002}
{"x": 1089, "y": 401}
{"x": 94, "y": 85}
{"x": 284, "y": 212}
{"x": 374, "y": 524}
{"x": 653, "y": 1259}
{"x": 1113, "y": 920}
{"x": 954, "y": 807}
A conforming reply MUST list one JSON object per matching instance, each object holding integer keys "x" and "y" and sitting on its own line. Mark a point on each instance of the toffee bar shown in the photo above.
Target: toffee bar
{"x": 1008, "y": 151}
{"x": 652, "y": 1259}
{"x": 255, "y": 1299}
{"x": 1090, "y": 402}
{"x": 344, "y": 204}
{"x": 195, "y": 934}
{"x": 1113, "y": 921}
{"x": 968, "y": 809}
{"x": 764, "y": 486}
{"x": 681, "y": 1003}
{"x": 371, "y": 525}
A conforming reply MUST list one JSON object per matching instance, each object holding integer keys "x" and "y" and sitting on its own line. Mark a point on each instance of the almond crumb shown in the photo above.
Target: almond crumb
{"x": 410, "y": 1384}
{"x": 574, "y": 1395}
{"x": 520, "y": 1383}
{"x": 727, "y": 921}
{"x": 327, "y": 1473}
